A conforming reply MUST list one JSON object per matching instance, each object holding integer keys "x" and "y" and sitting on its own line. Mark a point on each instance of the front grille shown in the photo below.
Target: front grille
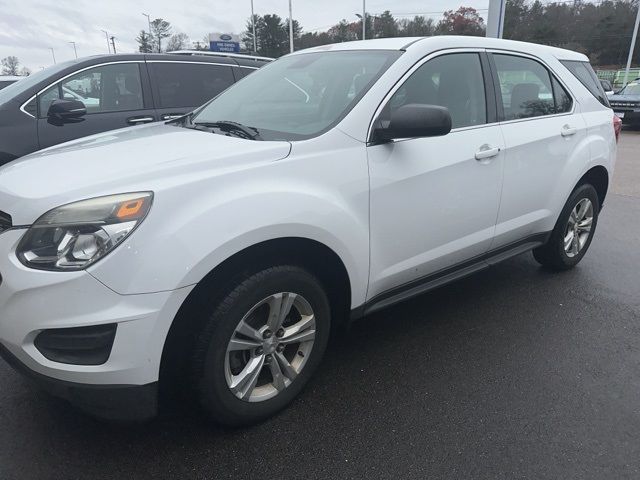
{"x": 625, "y": 104}
{"x": 5, "y": 221}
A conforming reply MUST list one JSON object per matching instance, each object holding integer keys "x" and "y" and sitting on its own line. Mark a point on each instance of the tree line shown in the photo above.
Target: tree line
{"x": 601, "y": 30}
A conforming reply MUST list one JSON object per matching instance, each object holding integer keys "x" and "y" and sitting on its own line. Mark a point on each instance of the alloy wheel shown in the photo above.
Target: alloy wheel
{"x": 269, "y": 347}
{"x": 578, "y": 227}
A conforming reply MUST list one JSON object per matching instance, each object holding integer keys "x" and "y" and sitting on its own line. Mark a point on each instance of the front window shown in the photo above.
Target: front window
{"x": 296, "y": 97}
{"x": 106, "y": 88}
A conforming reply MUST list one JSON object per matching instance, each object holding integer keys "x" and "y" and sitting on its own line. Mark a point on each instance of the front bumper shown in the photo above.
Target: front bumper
{"x": 631, "y": 116}
{"x": 111, "y": 402}
{"x": 33, "y": 300}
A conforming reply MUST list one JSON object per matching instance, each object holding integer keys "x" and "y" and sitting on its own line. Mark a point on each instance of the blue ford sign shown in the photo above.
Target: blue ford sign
{"x": 224, "y": 42}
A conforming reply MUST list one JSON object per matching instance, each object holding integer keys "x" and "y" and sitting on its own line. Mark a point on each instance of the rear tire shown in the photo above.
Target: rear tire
{"x": 573, "y": 232}
{"x": 247, "y": 366}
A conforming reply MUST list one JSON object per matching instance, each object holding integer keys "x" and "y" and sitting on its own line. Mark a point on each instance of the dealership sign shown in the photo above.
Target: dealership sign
{"x": 224, "y": 42}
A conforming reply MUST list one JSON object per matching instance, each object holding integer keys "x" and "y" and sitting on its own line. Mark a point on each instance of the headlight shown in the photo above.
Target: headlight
{"x": 74, "y": 236}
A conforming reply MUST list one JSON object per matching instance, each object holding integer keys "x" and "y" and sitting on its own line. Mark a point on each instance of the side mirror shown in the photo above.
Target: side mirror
{"x": 62, "y": 110}
{"x": 415, "y": 120}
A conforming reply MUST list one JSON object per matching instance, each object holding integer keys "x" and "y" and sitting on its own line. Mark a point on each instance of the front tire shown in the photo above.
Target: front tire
{"x": 261, "y": 344}
{"x": 573, "y": 232}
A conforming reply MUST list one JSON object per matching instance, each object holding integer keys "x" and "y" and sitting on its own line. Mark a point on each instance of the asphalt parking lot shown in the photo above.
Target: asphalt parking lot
{"x": 514, "y": 372}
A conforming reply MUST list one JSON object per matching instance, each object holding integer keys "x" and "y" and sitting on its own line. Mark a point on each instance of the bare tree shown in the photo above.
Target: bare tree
{"x": 179, "y": 41}
{"x": 10, "y": 65}
{"x": 25, "y": 72}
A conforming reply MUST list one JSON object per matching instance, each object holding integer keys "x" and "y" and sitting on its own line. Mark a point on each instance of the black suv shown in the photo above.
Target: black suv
{"x": 92, "y": 95}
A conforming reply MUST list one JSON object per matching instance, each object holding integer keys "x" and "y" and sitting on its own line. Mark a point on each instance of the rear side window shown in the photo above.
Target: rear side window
{"x": 583, "y": 72}
{"x": 189, "y": 85}
{"x": 528, "y": 89}
{"x": 241, "y": 72}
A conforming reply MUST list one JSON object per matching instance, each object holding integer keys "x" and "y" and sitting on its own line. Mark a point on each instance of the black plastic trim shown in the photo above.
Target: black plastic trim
{"x": 110, "y": 402}
{"x": 78, "y": 345}
{"x": 447, "y": 275}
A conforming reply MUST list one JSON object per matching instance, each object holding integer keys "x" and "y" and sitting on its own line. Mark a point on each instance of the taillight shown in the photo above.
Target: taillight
{"x": 617, "y": 126}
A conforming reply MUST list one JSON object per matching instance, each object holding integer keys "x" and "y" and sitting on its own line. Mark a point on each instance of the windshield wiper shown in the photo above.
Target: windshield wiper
{"x": 230, "y": 127}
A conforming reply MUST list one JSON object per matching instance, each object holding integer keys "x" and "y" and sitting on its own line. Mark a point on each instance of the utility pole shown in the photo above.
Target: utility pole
{"x": 253, "y": 27}
{"x": 290, "y": 29}
{"x": 632, "y": 46}
{"x": 113, "y": 42}
{"x": 75, "y": 50}
{"x": 53, "y": 54}
{"x": 106, "y": 34}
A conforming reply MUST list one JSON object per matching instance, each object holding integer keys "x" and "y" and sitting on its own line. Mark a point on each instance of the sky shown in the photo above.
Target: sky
{"x": 29, "y": 28}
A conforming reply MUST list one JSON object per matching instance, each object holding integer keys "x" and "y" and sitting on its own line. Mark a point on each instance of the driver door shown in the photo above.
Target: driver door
{"x": 434, "y": 201}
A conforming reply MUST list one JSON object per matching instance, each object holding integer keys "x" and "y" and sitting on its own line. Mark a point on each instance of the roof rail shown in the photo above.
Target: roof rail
{"x": 220, "y": 54}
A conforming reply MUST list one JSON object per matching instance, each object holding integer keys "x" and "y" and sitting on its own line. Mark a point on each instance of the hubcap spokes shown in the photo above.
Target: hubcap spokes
{"x": 270, "y": 347}
{"x": 578, "y": 227}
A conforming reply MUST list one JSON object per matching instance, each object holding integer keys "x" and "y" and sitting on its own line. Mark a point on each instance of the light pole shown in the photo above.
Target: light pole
{"x": 53, "y": 54}
{"x": 113, "y": 42}
{"x": 290, "y": 29}
{"x": 364, "y": 18}
{"x": 106, "y": 34}
{"x": 148, "y": 21}
{"x": 75, "y": 50}
{"x": 632, "y": 47}
{"x": 253, "y": 27}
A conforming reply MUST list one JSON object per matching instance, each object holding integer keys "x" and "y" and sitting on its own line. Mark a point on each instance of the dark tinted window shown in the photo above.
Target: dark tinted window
{"x": 189, "y": 85}
{"x": 454, "y": 81}
{"x": 5, "y": 83}
{"x": 106, "y": 88}
{"x": 241, "y": 72}
{"x": 583, "y": 72}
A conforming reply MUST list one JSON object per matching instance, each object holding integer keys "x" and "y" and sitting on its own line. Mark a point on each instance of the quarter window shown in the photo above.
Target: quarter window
{"x": 454, "y": 81}
{"x": 107, "y": 88}
{"x": 528, "y": 89}
{"x": 189, "y": 85}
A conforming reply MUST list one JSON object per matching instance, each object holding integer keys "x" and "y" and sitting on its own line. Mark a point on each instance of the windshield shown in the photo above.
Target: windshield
{"x": 27, "y": 83}
{"x": 298, "y": 96}
{"x": 631, "y": 89}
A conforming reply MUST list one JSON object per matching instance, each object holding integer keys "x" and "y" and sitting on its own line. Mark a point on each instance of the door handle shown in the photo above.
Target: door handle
{"x": 567, "y": 131}
{"x": 487, "y": 151}
{"x": 172, "y": 116}
{"x": 139, "y": 120}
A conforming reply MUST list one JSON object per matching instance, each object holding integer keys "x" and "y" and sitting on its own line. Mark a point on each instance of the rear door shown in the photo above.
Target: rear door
{"x": 115, "y": 95}
{"x": 179, "y": 87}
{"x": 543, "y": 131}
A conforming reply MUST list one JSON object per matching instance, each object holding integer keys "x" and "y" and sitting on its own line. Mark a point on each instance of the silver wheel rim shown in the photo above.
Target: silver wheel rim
{"x": 270, "y": 347}
{"x": 578, "y": 228}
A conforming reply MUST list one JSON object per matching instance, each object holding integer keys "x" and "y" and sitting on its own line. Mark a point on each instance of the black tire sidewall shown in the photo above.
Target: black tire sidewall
{"x": 557, "y": 238}
{"x": 215, "y": 395}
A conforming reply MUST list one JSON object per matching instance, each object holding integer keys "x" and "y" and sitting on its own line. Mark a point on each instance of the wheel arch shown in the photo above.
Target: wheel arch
{"x": 597, "y": 176}
{"x": 314, "y": 256}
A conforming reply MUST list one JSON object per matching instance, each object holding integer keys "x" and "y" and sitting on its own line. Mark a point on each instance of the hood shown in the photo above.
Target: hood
{"x": 624, "y": 98}
{"x": 132, "y": 159}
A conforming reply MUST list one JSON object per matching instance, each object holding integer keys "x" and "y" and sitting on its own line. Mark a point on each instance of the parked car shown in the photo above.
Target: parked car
{"x": 607, "y": 87}
{"x": 626, "y": 104}
{"x": 105, "y": 92}
{"x": 214, "y": 253}
{"x": 6, "y": 80}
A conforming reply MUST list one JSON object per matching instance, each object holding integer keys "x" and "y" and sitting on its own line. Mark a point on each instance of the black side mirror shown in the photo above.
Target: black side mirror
{"x": 414, "y": 120}
{"x": 66, "y": 110}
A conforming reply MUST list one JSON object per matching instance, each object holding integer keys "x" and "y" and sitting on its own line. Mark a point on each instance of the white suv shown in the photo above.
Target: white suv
{"x": 217, "y": 251}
